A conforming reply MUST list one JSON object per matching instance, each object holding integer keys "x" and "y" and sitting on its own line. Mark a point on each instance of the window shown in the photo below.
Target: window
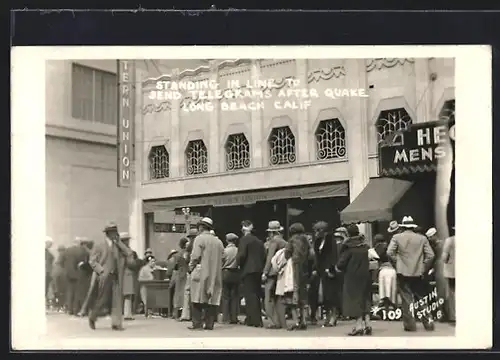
{"x": 330, "y": 140}
{"x": 281, "y": 146}
{"x": 95, "y": 95}
{"x": 237, "y": 152}
{"x": 448, "y": 111}
{"x": 196, "y": 158}
{"x": 159, "y": 163}
{"x": 390, "y": 121}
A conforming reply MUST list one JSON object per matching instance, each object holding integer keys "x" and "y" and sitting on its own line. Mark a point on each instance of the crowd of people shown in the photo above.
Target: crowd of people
{"x": 327, "y": 276}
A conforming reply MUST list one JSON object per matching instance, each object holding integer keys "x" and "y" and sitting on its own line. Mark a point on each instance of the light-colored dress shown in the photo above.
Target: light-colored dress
{"x": 145, "y": 274}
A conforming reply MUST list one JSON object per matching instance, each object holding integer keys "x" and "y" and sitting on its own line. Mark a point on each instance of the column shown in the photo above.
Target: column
{"x": 136, "y": 216}
{"x": 175, "y": 151}
{"x": 257, "y": 142}
{"x": 423, "y": 93}
{"x": 356, "y": 115}
{"x": 214, "y": 142}
{"x": 303, "y": 124}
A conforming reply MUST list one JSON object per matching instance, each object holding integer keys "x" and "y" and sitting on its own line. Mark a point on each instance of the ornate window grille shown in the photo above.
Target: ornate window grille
{"x": 330, "y": 140}
{"x": 390, "y": 121}
{"x": 159, "y": 163}
{"x": 196, "y": 158}
{"x": 281, "y": 146}
{"x": 448, "y": 111}
{"x": 237, "y": 152}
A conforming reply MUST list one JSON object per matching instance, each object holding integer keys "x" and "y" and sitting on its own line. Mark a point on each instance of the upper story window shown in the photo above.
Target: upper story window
{"x": 159, "y": 163}
{"x": 448, "y": 110}
{"x": 330, "y": 140}
{"x": 94, "y": 95}
{"x": 196, "y": 158}
{"x": 281, "y": 146}
{"x": 237, "y": 152}
{"x": 390, "y": 121}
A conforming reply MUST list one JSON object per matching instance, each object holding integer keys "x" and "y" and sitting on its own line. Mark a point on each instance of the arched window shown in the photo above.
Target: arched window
{"x": 196, "y": 158}
{"x": 390, "y": 121}
{"x": 281, "y": 146}
{"x": 237, "y": 152}
{"x": 159, "y": 163}
{"x": 330, "y": 140}
{"x": 448, "y": 110}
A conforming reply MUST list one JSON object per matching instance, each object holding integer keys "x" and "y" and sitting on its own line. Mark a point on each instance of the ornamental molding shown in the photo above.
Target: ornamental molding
{"x": 408, "y": 169}
{"x": 380, "y": 63}
{"x": 325, "y": 74}
{"x": 152, "y": 108}
{"x": 195, "y": 72}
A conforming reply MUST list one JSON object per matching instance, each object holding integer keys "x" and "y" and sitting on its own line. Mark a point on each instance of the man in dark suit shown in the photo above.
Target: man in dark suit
{"x": 73, "y": 257}
{"x": 251, "y": 258}
{"x": 108, "y": 259}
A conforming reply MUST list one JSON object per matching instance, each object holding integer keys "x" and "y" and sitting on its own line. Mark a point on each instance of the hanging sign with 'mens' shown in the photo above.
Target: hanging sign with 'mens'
{"x": 125, "y": 122}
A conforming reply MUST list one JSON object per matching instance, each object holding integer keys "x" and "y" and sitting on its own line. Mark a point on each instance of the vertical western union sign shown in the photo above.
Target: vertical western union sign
{"x": 125, "y": 121}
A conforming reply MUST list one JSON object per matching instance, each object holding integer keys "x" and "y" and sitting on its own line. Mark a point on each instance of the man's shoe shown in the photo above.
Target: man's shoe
{"x": 195, "y": 327}
{"x": 117, "y": 328}
{"x": 92, "y": 324}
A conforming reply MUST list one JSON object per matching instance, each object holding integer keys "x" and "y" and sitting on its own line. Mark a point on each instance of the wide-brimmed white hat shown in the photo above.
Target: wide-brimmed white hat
{"x": 431, "y": 232}
{"x": 274, "y": 225}
{"x": 408, "y": 223}
{"x": 393, "y": 226}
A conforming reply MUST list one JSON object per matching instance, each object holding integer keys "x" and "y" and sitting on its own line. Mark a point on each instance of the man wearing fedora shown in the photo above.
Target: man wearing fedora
{"x": 251, "y": 259}
{"x": 205, "y": 267}
{"x": 108, "y": 259}
{"x": 413, "y": 256}
{"x": 275, "y": 309}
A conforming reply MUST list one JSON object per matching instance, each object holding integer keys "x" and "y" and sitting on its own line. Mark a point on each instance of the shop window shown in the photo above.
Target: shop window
{"x": 196, "y": 158}
{"x": 94, "y": 94}
{"x": 448, "y": 111}
{"x": 330, "y": 140}
{"x": 390, "y": 121}
{"x": 159, "y": 163}
{"x": 281, "y": 146}
{"x": 237, "y": 150}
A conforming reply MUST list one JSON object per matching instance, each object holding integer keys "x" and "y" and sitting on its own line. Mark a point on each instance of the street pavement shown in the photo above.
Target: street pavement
{"x": 62, "y": 326}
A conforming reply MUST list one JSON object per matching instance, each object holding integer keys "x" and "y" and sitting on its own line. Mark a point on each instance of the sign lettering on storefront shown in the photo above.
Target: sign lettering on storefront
{"x": 417, "y": 149}
{"x": 125, "y": 122}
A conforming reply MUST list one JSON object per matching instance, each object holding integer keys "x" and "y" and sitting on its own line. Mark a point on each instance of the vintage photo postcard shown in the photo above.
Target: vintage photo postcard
{"x": 251, "y": 197}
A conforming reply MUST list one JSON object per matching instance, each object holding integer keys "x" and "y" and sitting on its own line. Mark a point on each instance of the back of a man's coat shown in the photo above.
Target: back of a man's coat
{"x": 206, "y": 265}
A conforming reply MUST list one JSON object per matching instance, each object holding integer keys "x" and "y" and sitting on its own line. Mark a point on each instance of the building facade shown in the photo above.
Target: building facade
{"x": 81, "y": 160}
{"x": 207, "y": 160}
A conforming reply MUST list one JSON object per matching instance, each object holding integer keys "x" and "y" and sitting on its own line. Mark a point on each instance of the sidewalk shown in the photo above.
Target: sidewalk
{"x": 61, "y": 326}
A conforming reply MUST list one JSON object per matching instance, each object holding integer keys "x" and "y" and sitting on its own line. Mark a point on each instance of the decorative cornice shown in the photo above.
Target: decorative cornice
{"x": 325, "y": 74}
{"x": 194, "y": 72}
{"x": 274, "y": 64}
{"x": 380, "y": 63}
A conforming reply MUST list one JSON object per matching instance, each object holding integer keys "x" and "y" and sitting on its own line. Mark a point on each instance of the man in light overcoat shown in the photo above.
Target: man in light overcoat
{"x": 205, "y": 267}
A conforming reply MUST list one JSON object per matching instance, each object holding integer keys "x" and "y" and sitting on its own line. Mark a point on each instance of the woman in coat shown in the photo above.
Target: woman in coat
{"x": 130, "y": 280}
{"x": 298, "y": 249}
{"x": 181, "y": 267}
{"x": 387, "y": 285}
{"x": 325, "y": 249}
{"x": 354, "y": 264}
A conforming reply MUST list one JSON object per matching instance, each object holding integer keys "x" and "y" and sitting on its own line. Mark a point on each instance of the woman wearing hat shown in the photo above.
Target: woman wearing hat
{"x": 354, "y": 263}
{"x": 298, "y": 250}
{"x": 326, "y": 254}
{"x": 387, "y": 285}
{"x": 275, "y": 309}
{"x": 181, "y": 268}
